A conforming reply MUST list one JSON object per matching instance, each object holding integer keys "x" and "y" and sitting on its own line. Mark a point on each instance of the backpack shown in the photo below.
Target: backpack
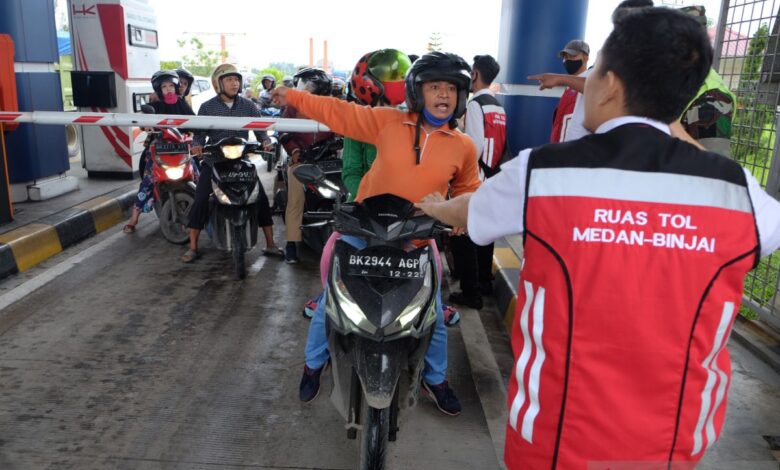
{"x": 495, "y": 150}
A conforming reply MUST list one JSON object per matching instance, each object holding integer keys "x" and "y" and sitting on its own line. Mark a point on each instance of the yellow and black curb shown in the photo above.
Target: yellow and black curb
{"x": 26, "y": 246}
{"x": 506, "y": 270}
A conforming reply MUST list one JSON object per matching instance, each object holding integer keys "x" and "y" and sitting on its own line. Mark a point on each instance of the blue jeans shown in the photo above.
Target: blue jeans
{"x": 317, "y": 354}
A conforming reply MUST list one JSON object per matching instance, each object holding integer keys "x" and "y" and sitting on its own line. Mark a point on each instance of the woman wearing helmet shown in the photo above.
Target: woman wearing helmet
{"x": 317, "y": 82}
{"x": 418, "y": 152}
{"x": 185, "y": 84}
{"x": 165, "y": 84}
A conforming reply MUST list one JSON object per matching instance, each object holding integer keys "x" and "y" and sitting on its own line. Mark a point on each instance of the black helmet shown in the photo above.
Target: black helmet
{"x": 184, "y": 73}
{"x": 438, "y": 66}
{"x": 268, "y": 77}
{"x": 316, "y": 81}
{"x": 164, "y": 76}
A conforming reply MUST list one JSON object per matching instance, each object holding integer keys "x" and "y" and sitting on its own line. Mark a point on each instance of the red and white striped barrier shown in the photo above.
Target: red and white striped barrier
{"x": 162, "y": 120}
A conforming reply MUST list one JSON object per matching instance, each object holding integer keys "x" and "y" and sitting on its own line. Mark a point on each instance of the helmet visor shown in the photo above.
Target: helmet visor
{"x": 389, "y": 65}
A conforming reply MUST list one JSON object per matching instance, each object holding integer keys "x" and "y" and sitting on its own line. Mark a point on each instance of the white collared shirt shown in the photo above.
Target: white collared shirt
{"x": 496, "y": 209}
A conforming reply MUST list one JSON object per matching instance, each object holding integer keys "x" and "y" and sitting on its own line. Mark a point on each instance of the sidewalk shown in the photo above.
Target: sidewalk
{"x": 42, "y": 229}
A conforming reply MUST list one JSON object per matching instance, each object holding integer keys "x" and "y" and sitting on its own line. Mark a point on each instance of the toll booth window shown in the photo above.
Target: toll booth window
{"x": 141, "y": 37}
{"x": 140, "y": 99}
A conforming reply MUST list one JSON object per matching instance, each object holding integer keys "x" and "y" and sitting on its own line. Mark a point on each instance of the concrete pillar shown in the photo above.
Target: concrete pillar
{"x": 532, "y": 33}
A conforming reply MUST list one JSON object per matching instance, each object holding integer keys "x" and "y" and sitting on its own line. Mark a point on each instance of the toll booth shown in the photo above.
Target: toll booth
{"x": 37, "y": 155}
{"x": 115, "y": 49}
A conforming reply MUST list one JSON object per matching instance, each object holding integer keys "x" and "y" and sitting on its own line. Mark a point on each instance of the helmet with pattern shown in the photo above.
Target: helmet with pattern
{"x": 378, "y": 77}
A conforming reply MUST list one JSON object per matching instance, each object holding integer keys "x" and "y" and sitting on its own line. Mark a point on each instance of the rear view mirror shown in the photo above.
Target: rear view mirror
{"x": 309, "y": 174}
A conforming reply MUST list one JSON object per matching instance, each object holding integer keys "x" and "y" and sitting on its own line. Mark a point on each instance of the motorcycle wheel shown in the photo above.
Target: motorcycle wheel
{"x": 239, "y": 246}
{"x": 173, "y": 229}
{"x": 373, "y": 437}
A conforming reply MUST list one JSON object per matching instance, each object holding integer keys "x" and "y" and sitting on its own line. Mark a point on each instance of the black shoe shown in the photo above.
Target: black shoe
{"x": 310, "y": 384}
{"x": 460, "y": 298}
{"x": 291, "y": 253}
{"x": 443, "y": 396}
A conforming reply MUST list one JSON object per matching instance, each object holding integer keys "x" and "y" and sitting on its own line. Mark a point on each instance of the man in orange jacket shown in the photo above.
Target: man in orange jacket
{"x": 418, "y": 152}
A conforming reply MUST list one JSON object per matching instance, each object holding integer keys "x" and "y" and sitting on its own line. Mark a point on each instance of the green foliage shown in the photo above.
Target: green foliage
{"x": 287, "y": 68}
{"x": 169, "y": 65}
{"x": 202, "y": 61}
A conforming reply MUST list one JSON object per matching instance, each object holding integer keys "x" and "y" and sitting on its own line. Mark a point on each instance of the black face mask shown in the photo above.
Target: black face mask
{"x": 572, "y": 66}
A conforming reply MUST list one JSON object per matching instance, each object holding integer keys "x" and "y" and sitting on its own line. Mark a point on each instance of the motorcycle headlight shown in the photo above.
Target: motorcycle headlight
{"x": 347, "y": 304}
{"x": 174, "y": 173}
{"x": 415, "y": 307}
{"x": 232, "y": 151}
{"x": 270, "y": 133}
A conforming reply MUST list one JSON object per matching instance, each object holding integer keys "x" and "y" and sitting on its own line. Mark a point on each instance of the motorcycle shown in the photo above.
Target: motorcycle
{"x": 380, "y": 311}
{"x": 233, "y": 206}
{"x": 272, "y": 158}
{"x": 173, "y": 176}
{"x": 325, "y": 155}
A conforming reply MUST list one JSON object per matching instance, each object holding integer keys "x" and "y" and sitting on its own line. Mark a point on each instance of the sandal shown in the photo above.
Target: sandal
{"x": 189, "y": 256}
{"x": 129, "y": 228}
{"x": 274, "y": 251}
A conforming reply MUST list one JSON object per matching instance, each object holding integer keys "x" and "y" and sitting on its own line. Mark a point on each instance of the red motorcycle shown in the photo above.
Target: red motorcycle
{"x": 174, "y": 180}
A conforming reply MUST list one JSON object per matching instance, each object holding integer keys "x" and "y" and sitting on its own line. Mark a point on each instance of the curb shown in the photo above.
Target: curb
{"x": 29, "y": 245}
{"x": 758, "y": 339}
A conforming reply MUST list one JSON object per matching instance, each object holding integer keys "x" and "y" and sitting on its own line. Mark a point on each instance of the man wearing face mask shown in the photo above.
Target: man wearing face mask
{"x": 575, "y": 61}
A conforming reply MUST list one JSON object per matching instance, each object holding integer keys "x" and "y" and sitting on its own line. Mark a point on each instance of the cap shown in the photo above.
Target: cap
{"x": 574, "y": 47}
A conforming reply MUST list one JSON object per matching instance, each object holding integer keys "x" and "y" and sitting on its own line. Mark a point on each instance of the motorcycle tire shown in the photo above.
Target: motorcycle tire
{"x": 373, "y": 437}
{"x": 175, "y": 230}
{"x": 239, "y": 246}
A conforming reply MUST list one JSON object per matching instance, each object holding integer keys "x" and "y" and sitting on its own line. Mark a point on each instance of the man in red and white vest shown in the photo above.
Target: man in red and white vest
{"x": 636, "y": 248}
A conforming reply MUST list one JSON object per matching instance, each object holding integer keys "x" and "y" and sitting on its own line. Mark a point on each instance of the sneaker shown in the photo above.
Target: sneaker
{"x": 443, "y": 396}
{"x": 451, "y": 315}
{"x": 291, "y": 253}
{"x": 460, "y": 298}
{"x": 310, "y": 384}
{"x": 308, "y": 309}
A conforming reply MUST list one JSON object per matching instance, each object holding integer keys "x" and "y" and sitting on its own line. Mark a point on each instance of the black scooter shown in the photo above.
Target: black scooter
{"x": 235, "y": 190}
{"x": 381, "y": 311}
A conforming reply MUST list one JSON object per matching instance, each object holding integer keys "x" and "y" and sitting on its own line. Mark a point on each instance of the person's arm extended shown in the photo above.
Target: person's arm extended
{"x": 552, "y": 80}
{"x": 679, "y": 132}
{"x": 348, "y": 119}
{"x": 453, "y": 211}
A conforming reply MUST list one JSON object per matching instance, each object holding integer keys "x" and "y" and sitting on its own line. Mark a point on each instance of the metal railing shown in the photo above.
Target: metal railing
{"x": 746, "y": 56}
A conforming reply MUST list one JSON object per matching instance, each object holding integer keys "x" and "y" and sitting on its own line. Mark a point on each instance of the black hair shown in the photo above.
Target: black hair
{"x": 662, "y": 57}
{"x": 487, "y": 67}
{"x": 629, "y": 6}
{"x": 413, "y": 58}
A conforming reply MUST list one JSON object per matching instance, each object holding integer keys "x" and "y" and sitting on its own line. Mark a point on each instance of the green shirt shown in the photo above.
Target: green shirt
{"x": 357, "y": 158}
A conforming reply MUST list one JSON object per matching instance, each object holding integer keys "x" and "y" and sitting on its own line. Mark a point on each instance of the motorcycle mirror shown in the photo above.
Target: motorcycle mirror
{"x": 147, "y": 109}
{"x": 309, "y": 174}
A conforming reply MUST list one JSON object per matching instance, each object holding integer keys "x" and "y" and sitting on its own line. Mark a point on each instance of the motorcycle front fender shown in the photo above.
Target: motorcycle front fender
{"x": 378, "y": 366}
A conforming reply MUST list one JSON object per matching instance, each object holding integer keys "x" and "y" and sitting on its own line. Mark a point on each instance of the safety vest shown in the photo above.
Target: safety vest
{"x": 495, "y": 144}
{"x": 636, "y": 246}
{"x": 562, "y": 115}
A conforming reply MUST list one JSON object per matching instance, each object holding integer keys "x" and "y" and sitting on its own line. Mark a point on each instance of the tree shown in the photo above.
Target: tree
{"x": 287, "y": 68}
{"x": 169, "y": 65}
{"x": 203, "y": 60}
{"x": 434, "y": 42}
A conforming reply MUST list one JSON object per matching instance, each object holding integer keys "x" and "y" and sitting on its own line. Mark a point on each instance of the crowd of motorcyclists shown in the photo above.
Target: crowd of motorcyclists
{"x": 397, "y": 128}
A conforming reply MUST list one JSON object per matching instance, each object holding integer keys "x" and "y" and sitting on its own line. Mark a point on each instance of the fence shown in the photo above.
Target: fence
{"x": 746, "y": 54}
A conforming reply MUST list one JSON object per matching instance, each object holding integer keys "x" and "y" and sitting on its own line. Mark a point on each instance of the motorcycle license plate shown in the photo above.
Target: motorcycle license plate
{"x": 330, "y": 166}
{"x": 395, "y": 266}
{"x": 171, "y": 147}
{"x": 243, "y": 176}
